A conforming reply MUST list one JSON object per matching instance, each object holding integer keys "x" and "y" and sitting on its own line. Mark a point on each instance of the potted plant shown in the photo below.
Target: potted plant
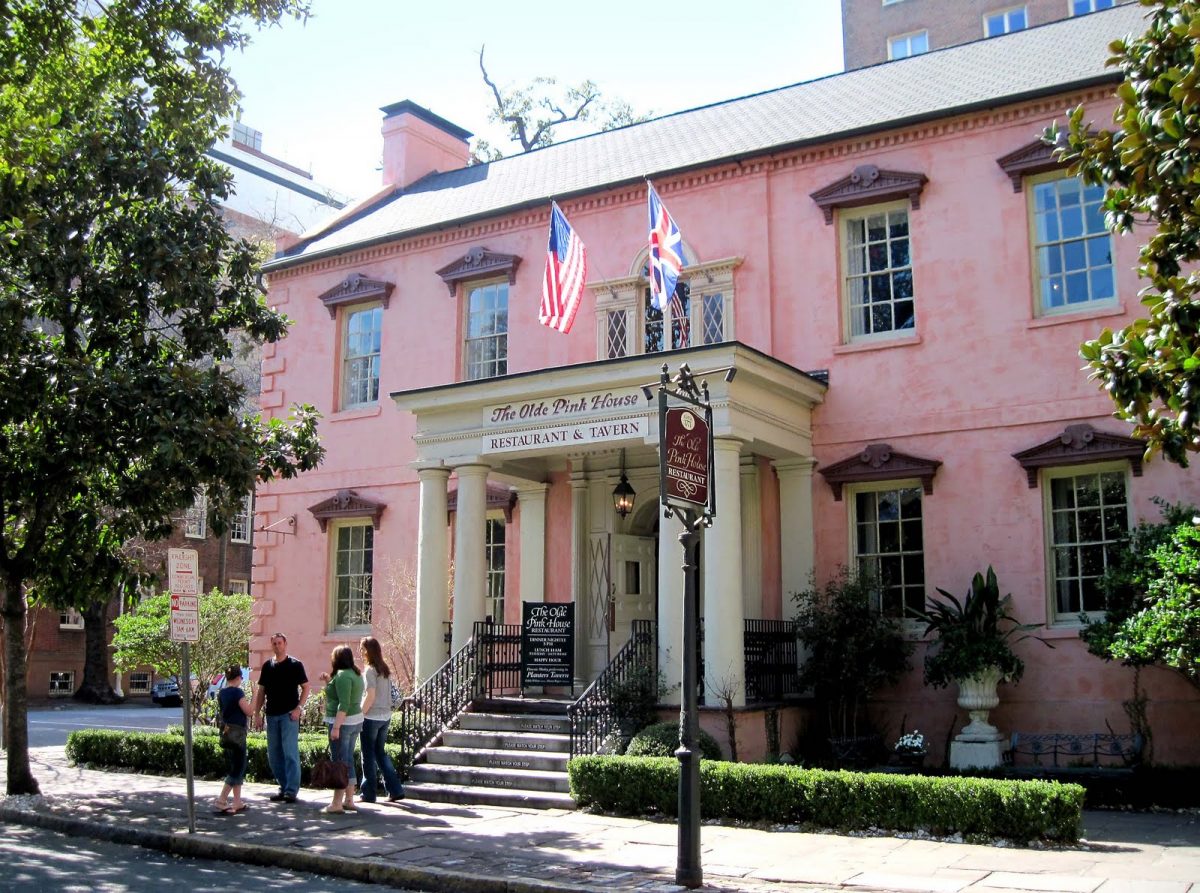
{"x": 910, "y": 749}
{"x": 973, "y": 647}
{"x": 851, "y": 651}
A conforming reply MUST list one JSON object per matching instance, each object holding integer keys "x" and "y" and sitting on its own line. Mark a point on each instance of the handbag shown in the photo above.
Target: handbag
{"x": 328, "y": 774}
{"x": 233, "y": 736}
{"x": 397, "y": 696}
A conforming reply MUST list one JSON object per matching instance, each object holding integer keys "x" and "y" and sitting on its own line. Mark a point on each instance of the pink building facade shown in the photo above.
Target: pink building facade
{"x": 901, "y": 278}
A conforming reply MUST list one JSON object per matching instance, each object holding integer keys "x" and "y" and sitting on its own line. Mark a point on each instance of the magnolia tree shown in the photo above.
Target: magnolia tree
{"x": 120, "y": 288}
{"x": 142, "y": 638}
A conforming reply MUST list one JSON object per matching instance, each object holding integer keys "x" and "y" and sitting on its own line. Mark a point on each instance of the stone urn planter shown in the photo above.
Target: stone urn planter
{"x": 977, "y": 695}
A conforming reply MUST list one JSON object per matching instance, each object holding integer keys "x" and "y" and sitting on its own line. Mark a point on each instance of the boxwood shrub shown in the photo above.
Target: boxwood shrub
{"x": 846, "y": 801}
{"x": 162, "y": 753}
{"x": 662, "y": 739}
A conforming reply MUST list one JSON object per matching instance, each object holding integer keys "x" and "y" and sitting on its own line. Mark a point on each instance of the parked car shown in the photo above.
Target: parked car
{"x": 165, "y": 692}
{"x": 218, "y": 682}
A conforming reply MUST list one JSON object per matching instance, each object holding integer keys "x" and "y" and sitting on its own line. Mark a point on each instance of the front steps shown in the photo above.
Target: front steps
{"x": 504, "y": 752}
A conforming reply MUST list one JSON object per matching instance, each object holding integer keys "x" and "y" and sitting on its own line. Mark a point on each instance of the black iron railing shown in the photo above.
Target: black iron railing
{"x": 499, "y": 656}
{"x": 631, "y": 675}
{"x": 437, "y": 701}
{"x": 771, "y": 660}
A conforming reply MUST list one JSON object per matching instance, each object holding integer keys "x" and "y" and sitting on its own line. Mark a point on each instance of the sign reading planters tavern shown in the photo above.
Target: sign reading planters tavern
{"x": 686, "y": 457}
{"x": 547, "y": 643}
{"x": 563, "y": 420}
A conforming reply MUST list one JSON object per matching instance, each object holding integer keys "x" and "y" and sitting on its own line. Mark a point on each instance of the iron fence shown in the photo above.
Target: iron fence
{"x": 598, "y": 713}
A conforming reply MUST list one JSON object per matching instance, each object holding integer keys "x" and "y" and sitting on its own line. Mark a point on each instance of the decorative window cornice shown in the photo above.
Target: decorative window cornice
{"x": 498, "y": 497}
{"x": 478, "y": 263}
{"x": 1032, "y": 158}
{"x": 354, "y": 289}
{"x": 879, "y": 462}
{"x": 1081, "y": 445}
{"x": 868, "y": 185}
{"x": 347, "y": 504}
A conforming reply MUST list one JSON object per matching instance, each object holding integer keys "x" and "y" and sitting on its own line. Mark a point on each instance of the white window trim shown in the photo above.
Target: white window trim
{"x": 910, "y": 625}
{"x": 196, "y": 518}
{"x": 335, "y": 526}
{"x": 844, "y": 215}
{"x": 908, "y": 35}
{"x": 627, "y": 294}
{"x": 1005, "y": 12}
{"x": 467, "y": 288}
{"x": 1066, "y": 471}
{"x": 248, "y": 515}
{"x": 239, "y": 587}
{"x": 344, "y": 314}
{"x": 139, "y": 689}
{"x": 70, "y": 619}
{"x": 70, "y": 680}
{"x": 1040, "y": 312}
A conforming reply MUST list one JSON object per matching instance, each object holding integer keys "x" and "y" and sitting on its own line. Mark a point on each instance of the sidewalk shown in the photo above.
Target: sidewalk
{"x": 431, "y": 846}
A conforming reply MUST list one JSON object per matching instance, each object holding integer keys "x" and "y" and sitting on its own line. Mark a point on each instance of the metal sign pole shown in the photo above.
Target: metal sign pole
{"x": 185, "y": 692}
{"x": 688, "y": 872}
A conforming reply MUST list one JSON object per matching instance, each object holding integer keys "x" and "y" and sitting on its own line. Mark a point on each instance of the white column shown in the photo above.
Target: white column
{"x": 579, "y": 570}
{"x": 432, "y": 569}
{"x": 531, "y": 500}
{"x": 724, "y": 652}
{"x": 470, "y": 558}
{"x": 670, "y": 607}
{"x": 752, "y": 596}
{"x": 796, "y": 546}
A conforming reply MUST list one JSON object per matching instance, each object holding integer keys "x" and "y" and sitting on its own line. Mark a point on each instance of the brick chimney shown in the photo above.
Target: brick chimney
{"x": 417, "y": 142}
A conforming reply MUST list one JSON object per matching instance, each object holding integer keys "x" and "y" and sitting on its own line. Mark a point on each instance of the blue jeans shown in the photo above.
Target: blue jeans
{"x": 342, "y": 750}
{"x": 283, "y": 751}
{"x": 375, "y": 759}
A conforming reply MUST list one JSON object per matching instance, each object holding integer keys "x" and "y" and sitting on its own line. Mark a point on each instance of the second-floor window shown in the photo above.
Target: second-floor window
{"x": 905, "y": 45}
{"x": 878, "y": 272}
{"x": 1072, "y": 246}
{"x": 361, "y": 344}
{"x": 486, "y": 346}
{"x": 239, "y": 528}
{"x": 195, "y": 523}
{"x": 1004, "y": 21}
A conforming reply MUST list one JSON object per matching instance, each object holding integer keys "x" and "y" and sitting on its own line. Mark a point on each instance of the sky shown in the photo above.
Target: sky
{"x": 315, "y": 89}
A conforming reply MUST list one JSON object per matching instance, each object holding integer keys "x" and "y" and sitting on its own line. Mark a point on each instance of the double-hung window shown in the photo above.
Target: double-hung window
{"x": 888, "y": 544}
{"x": 1087, "y": 521}
{"x": 362, "y": 341}
{"x": 1073, "y": 250}
{"x": 195, "y": 521}
{"x": 486, "y": 346}
{"x": 239, "y": 528}
{"x": 878, "y": 272}
{"x": 353, "y": 573}
{"x": 494, "y": 544}
{"x": 904, "y": 45}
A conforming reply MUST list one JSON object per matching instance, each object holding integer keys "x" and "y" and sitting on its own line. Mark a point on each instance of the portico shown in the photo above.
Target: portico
{"x": 560, "y": 438}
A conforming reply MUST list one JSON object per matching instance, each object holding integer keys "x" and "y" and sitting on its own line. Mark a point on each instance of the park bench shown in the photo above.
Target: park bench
{"x": 1056, "y": 752}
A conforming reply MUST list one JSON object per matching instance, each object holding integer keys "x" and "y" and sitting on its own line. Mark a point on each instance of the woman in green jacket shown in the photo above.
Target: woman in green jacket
{"x": 344, "y": 716}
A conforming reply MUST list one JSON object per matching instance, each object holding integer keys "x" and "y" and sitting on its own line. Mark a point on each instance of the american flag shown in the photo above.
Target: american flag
{"x": 666, "y": 252}
{"x": 680, "y": 318}
{"x": 566, "y": 273}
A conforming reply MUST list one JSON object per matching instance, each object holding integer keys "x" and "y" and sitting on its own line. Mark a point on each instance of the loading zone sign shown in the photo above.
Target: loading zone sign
{"x": 183, "y": 581}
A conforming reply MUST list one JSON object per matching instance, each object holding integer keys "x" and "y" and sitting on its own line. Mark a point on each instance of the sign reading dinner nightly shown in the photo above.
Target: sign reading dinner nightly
{"x": 547, "y": 643}
{"x": 686, "y": 457}
{"x": 564, "y": 420}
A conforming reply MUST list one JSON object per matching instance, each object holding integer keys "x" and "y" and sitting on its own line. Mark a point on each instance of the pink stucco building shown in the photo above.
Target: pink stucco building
{"x": 900, "y": 274}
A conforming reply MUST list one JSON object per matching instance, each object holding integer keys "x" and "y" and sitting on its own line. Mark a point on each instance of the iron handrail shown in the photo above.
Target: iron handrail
{"x": 437, "y": 701}
{"x": 594, "y": 715}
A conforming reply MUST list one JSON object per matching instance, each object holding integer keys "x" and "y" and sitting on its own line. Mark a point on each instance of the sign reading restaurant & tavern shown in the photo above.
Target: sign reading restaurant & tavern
{"x": 547, "y": 643}
{"x": 565, "y": 420}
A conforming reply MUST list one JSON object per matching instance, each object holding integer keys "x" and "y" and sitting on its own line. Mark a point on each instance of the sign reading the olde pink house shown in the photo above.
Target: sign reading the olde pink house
{"x": 686, "y": 457}
{"x": 564, "y": 420}
{"x": 547, "y": 643}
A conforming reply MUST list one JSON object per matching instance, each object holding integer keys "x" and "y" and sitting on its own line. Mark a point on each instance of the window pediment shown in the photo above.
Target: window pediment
{"x": 868, "y": 185}
{"x": 1032, "y": 158}
{"x": 354, "y": 289}
{"x": 347, "y": 504}
{"x": 1080, "y": 445}
{"x": 479, "y": 263}
{"x": 879, "y": 462}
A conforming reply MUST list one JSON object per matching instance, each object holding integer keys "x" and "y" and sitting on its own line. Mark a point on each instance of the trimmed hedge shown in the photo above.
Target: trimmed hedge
{"x": 662, "y": 739}
{"x": 845, "y": 801}
{"x": 162, "y": 753}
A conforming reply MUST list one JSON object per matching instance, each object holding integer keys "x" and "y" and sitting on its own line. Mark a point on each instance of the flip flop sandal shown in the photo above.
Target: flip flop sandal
{"x": 224, "y": 811}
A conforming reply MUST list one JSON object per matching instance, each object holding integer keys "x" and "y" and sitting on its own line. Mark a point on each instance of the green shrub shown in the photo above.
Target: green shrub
{"x": 662, "y": 740}
{"x": 845, "y": 801}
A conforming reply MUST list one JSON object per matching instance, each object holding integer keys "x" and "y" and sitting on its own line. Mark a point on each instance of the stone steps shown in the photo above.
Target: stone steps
{"x": 503, "y": 752}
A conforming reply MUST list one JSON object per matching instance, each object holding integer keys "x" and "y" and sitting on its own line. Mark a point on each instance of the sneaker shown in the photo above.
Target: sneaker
{"x": 288, "y": 798}
{"x": 280, "y": 797}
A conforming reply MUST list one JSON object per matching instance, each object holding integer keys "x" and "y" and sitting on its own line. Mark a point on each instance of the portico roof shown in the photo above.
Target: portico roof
{"x": 526, "y": 424}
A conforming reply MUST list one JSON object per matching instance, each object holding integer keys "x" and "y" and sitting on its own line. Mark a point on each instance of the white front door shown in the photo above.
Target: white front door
{"x": 633, "y": 586}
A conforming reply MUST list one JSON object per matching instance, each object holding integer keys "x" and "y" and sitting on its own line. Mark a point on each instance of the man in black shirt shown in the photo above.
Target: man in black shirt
{"x": 281, "y": 693}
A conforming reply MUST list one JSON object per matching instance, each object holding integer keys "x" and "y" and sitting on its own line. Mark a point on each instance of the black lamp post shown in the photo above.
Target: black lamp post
{"x": 623, "y": 492}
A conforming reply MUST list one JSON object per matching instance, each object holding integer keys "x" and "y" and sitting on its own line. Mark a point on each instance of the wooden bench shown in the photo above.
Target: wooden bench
{"x": 1061, "y": 752}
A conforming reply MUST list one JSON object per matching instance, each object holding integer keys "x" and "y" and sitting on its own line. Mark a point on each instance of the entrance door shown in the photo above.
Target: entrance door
{"x": 634, "y": 580}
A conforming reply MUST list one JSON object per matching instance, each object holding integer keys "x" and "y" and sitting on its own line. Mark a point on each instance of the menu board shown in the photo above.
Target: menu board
{"x": 547, "y": 643}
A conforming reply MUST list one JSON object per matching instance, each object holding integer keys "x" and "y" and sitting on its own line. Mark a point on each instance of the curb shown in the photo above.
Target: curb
{"x": 364, "y": 870}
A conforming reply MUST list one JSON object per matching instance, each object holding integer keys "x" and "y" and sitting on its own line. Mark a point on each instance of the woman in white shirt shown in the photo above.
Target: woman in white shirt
{"x": 377, "y": 710}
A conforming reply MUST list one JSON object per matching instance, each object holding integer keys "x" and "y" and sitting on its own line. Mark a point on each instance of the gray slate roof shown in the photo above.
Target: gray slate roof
{"x": 1050, "y": 58}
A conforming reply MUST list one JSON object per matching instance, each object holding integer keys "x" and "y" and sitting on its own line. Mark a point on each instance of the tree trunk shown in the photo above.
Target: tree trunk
{"x": 96, "y": 687}
{"x": 16, "y": 706}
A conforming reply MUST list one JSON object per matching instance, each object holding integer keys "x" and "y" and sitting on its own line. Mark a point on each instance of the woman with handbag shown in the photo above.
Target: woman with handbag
{"x": 234, "y": 707}
{"x": 343, "y": 715}
{"x": 377, "y": 713}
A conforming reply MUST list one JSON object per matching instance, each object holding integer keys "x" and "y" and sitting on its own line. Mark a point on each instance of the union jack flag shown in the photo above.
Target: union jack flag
{"x": 566, "y": 273}
{"x": 666, "y": 253}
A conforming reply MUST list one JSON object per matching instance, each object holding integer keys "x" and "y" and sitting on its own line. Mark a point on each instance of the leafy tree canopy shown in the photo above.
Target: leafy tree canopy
{"x": 120, "y": 289}
{"x": 1151, "y": 368}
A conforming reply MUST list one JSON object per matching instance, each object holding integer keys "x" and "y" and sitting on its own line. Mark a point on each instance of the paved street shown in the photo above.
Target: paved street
{"x": 36, "y": 860}
{"x": 51, "y": 725}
